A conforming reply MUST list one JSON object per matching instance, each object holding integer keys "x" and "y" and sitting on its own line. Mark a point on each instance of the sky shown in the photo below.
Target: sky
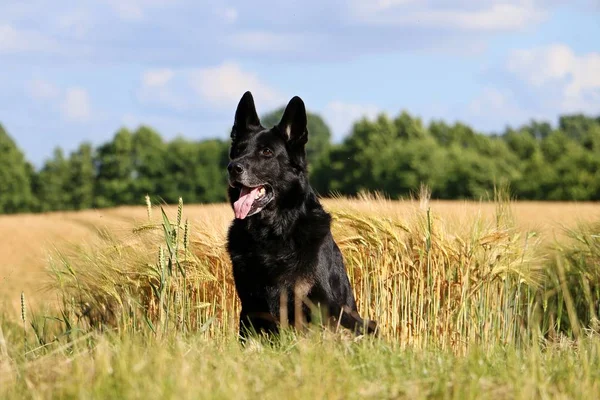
{"x": 75, "y": 71}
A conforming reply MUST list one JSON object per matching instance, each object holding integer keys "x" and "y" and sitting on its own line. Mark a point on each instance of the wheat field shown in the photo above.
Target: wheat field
{"x": 28, "y": 239}
{"x": 474, "y": 300}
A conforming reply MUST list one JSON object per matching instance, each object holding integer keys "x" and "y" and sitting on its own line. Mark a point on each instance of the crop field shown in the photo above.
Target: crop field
{"x": 474, "y": 300}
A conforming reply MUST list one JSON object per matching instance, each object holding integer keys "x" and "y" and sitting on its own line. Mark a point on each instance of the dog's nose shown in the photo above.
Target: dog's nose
{"x": 235, "y": 167}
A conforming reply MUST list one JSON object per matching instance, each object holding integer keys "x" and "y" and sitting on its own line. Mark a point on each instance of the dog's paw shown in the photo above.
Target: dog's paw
{"x": 372, "y": 327}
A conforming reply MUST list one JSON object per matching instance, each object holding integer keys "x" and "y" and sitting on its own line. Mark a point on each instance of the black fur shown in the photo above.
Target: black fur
{"x": 286, "y": 251}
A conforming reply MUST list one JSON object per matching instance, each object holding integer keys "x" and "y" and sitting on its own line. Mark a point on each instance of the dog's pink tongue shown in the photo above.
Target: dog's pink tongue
{"x": 244, "y": 203}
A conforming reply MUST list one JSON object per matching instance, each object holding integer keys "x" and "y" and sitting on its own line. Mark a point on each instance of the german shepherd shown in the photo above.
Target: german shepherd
{"x": 286, "y": 266}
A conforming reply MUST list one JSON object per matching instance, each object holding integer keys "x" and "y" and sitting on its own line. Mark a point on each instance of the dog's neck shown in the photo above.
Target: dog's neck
{"x": 290, "y": 209}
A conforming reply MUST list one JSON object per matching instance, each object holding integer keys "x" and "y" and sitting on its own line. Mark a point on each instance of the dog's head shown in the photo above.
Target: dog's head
{"x": 267, "y": 164}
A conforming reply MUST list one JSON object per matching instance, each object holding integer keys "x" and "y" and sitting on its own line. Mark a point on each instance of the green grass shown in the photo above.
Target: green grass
{"x": 317, "y": 366}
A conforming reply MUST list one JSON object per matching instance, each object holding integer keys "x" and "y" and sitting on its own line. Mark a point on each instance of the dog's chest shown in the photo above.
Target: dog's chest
{"x": 255, "y": 255}
{"x": 266, "y": 255}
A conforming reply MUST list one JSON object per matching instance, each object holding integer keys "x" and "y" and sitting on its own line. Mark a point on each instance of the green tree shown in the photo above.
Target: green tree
{"x": 393, "y": 156}
{"x": 148, "y": 158}
{"x": 115, "y": 166}
{"x": 213, "y": 158}
{"x": 409, "y": 128}
{"x": 15, "y": 177}
{"x": 576, "y": 173}
{"x": 576, "y": 126}
{"x": 522, "y": 143}
{"x": 468, "y": 175}
{"x": 53, "y": 183}
{"x": 183, "y": 170}
{"x": 537, "y": 179}
{"x": 406, "y": 164}
{"x": 352, "y": 166}
{"x": 82, "y": 177}
{"x": 553, "y": 146}
{"x": 196, "y": 171}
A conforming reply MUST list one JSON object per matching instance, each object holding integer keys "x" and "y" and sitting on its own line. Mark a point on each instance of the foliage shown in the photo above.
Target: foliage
{"x": 394, "y": 156}
{"x": 15, "y": 177}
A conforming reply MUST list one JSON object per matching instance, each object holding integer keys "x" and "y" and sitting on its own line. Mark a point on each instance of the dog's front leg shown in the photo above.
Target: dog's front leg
{"x": 350, "y": 319}
{"x": 257, "y": 322}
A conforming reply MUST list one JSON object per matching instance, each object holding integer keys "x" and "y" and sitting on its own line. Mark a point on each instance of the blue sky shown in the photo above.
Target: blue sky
{"x": 77, "y": 71}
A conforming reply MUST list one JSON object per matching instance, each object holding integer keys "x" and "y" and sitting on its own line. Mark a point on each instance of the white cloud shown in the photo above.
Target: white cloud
{"x": 491, "y": 100}
{"x": 127, "y": 10}
{"x": 259, "y": 41}
{"x": 131, "y": 120}
{"x": 73, "y": 103}
{"x": 229, "y": 15}
{"x": 577, "y": 77}
{"x": 42, "y": 90}
{"x": 158, "y": 87}
{"x": 136, "y": 10}
{"x": 361, "y": 8}
{"x": 184, "y": 32}
{"x": 498, "y": 16}
{"x": 498, "y": 106}
{"x": 267, "y": 42}
{"x": 391, "y": 3}
{"x": 538, "y": 66}
{"x": 341, "y": 116}
{"x": 157, "y": 77}
{"x": 76, "y": 105}
{"x": 14, "y": 40}
{"x": 76, "y": 23}
{"x": 220, "y": 86}
{"x": 223, "y": 86}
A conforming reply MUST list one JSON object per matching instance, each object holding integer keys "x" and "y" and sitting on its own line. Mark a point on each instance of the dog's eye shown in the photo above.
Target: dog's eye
{"x": 266, "y": 152}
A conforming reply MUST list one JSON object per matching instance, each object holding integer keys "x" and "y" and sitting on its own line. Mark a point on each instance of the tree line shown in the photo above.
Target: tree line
{"x": 389, "y": 155}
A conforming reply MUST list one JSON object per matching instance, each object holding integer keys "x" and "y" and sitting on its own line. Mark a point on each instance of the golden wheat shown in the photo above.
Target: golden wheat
{"x": 426, "y": 280}
{"x": 448, "y": 273}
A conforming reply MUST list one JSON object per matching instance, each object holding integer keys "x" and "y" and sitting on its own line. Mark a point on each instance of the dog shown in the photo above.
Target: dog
{"x": 286, "y": 266}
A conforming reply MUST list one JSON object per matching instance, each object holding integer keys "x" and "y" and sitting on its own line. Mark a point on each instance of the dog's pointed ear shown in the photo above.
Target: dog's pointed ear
{"x": 293, "y": 122}
{"x": 246, "y": 117}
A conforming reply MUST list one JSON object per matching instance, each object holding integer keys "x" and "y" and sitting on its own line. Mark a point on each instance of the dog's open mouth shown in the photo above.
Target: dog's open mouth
{"x": 252, "y": 200}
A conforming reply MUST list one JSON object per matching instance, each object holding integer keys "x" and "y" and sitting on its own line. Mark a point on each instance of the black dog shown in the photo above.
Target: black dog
{"x": 286, "y": 265}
